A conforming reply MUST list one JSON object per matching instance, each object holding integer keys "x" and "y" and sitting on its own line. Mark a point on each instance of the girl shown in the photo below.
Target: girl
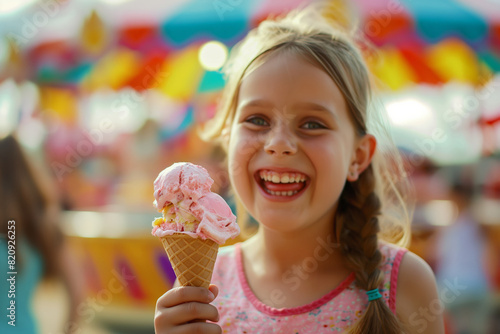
{"x": 301, "y": 161}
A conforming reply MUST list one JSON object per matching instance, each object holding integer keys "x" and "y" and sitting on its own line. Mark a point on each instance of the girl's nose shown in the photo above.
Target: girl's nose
{"x": 280, "y": 141}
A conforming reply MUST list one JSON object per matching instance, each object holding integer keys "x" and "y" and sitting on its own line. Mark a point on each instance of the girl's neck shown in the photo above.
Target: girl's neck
{"x": 283, "y": 262}
{"x": 278, "y": 252}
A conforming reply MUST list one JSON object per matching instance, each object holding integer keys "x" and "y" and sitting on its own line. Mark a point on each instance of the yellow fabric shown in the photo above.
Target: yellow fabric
{"x": 453, "y": 60}
{"x": 181, "y": 74}
{"x": 391, "y": 68}
{"x": 113, "y": 70}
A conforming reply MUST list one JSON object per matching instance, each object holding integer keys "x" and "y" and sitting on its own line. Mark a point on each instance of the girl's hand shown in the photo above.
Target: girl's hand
{"x": 185, "y": 309}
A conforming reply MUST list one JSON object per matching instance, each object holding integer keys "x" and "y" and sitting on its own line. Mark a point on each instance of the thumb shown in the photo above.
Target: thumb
{"x": 214, "y": 289}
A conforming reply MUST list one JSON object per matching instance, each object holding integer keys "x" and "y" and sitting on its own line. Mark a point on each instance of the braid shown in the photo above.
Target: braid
{"x": 357, "y": 227}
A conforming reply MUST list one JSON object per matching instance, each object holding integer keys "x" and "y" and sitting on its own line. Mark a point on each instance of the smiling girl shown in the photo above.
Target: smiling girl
{"x": 303, "y": 162}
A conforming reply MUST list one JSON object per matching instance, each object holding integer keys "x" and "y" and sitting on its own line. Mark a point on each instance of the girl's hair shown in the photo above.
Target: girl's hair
{"x": 370, "y": 208}
{"x": 26, "y": 200}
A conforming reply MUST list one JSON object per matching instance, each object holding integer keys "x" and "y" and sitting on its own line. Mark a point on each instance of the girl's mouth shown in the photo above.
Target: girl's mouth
{"x": 281, "y": 185}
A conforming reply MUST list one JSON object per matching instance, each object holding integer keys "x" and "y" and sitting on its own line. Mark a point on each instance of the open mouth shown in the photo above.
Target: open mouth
{"x": 282, "y": 184}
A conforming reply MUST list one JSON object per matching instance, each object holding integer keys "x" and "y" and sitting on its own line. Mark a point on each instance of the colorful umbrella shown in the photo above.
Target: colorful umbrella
{"x": 448, "y": 40}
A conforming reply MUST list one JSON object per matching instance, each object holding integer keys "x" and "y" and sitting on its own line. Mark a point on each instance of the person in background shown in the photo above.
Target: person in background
{"x": 30, "y": 234}
{"x": 460, "y": 253}
{"x": 486, "y": 210}
{"x": 429, "y": 186}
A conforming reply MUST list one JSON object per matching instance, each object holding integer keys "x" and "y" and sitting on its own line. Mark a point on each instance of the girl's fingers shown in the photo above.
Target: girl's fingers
{"x": 183, "y": 294}
{"x": 214, "y": 289}
{"x": 186, "y": 305}
{"x": 197, "y": 327}
{"x": 191, "y": 311}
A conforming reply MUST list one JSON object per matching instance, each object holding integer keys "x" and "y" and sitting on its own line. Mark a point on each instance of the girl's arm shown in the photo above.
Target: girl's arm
{"x": 418, "y": 305}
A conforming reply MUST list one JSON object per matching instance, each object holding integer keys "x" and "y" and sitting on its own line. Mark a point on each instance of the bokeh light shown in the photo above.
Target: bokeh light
{"x": 212, "y": 55}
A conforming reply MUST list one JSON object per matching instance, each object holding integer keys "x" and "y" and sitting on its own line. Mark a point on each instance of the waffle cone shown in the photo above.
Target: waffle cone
{"x": 192, "y": 259}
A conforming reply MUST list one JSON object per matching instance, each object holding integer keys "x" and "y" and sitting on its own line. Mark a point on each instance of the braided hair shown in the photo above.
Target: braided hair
{"x": 357, "y": 228}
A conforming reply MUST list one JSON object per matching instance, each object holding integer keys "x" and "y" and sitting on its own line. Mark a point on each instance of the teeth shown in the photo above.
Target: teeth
{"x": 282, "y": 193}
{"x": 282, "y": 178}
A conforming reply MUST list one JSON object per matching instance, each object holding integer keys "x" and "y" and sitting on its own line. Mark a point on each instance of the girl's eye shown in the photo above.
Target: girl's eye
{"x": 312, "y": 125}
{"x": 256, "y": 120}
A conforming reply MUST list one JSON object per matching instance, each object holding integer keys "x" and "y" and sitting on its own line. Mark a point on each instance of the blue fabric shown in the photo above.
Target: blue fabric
{"x": 224, "y": 20}
{"x": 491, "y": 60}
{"x": 212, "y": 81}
{"x": 439, "y": 19}
{"x": 26, "y": 281}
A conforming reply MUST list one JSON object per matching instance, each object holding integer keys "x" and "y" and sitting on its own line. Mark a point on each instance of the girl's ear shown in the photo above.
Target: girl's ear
{"x": 363, "y": 155}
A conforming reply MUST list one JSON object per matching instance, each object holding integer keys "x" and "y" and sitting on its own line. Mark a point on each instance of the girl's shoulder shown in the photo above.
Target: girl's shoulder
{"x": 417, "y": 290}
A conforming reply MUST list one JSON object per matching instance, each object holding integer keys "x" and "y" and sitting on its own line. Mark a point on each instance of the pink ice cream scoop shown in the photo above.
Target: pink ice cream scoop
{"x": 182, "y": 193}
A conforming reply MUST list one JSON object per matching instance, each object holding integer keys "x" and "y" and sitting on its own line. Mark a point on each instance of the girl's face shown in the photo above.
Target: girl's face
{"x": 291, "y": 144}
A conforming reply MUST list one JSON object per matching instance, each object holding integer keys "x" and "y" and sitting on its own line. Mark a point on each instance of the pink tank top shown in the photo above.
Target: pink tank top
{"x": 241, "y": 312}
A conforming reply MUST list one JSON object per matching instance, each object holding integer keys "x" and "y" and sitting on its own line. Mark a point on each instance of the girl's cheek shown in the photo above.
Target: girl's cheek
{"x": 235, "y": 169}
{"x": 245, "y": 144}
{"x": 241, "y": 151}
{"x": 248, "y": 147}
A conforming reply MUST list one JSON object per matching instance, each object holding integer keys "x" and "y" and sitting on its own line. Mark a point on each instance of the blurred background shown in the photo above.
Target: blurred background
{"x": 104, "y": 94}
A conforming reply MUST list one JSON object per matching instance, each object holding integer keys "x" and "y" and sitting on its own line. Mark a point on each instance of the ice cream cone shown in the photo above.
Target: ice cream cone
{"x": 192, "y": 259}
{"x": 195, "y": 222}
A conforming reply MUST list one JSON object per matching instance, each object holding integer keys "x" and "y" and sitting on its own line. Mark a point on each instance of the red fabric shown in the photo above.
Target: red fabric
{"x": 150, "y": 74}
{"x": 134, "y": 36}
{"x": 423, "y": 73}
{"x": 394, "y": 279}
